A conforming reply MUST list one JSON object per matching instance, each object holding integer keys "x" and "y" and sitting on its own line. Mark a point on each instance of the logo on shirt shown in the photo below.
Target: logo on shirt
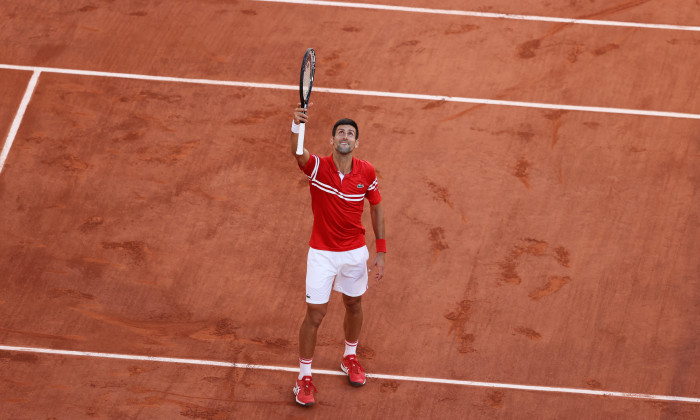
{"x": 360, "y": 186}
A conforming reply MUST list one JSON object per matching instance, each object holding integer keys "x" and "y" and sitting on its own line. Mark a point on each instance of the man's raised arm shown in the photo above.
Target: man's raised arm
{"x": 299, "y": 117}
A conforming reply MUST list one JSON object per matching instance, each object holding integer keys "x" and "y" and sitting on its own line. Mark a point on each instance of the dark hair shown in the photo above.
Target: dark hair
{"x": 347, "y": 121}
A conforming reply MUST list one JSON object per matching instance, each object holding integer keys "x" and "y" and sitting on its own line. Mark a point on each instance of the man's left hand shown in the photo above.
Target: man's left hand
{"x": 378, "y": 262}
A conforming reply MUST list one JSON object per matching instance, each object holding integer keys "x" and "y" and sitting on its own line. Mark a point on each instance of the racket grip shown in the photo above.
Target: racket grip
{"x": 300, "y": 139}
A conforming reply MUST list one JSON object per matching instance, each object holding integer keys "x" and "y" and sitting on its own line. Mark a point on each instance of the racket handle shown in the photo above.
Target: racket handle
{"x": 300, "y": 139}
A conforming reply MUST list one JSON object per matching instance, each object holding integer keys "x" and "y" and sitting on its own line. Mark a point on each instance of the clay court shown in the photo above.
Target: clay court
{"x": 540, "y": 182}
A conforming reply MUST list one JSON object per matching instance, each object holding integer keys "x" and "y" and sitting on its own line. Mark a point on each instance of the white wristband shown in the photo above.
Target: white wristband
{"x": 295, "y": 127}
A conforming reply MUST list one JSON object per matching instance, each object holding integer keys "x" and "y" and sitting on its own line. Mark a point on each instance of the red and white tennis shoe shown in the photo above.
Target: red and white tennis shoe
{"x": 304, "y": 391}
{"x": 351, "y": 366}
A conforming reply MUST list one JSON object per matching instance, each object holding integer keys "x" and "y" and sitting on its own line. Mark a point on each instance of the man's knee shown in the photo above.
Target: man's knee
{"x": 353, "y": 304}
{"x": 315, "y": 313}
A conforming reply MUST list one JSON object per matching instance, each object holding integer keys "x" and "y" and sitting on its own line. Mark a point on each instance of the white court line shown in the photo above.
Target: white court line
{"x": 487, "y": 15}
{"x": 369, "y": 375}
{"x": 18, "y": 117}
{"x": 359, "y": 92}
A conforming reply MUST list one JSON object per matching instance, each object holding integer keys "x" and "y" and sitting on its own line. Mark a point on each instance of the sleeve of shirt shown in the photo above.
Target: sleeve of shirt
{"x": 310, "y": 165}
{"x": 372, "y": 193}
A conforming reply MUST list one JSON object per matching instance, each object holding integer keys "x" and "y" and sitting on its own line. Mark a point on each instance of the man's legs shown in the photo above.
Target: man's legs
{"x": 309, "y": 329}
{"x": 304, "y": 387}
{"x": 353, "y": 318}
{"x": 352, "y": 326}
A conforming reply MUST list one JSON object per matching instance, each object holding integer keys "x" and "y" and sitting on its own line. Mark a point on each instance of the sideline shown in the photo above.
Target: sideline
{"x": 18, "y": 117}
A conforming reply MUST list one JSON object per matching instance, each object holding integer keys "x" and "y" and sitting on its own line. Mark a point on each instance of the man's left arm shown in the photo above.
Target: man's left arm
{"x": 377, "y": 214}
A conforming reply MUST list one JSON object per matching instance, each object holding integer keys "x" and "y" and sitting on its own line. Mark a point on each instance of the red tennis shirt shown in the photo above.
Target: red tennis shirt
{"x": 338, "y": 204}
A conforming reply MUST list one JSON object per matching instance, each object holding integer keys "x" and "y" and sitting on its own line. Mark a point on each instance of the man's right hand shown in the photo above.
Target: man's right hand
{"x": 300, "y": 115}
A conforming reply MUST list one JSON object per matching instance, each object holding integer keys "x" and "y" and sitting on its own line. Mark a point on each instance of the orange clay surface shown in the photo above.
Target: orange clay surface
{"x": 526, "y": 246}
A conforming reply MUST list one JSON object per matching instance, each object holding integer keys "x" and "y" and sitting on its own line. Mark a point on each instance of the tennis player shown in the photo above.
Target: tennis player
{"x": 338, "y": 255}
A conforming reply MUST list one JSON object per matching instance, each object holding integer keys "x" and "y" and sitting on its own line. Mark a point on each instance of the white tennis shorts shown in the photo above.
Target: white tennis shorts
{"x": 347, "y": 268}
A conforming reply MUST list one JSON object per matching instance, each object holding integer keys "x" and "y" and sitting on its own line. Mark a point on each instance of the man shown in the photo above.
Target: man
{"x": 339, "y": 183}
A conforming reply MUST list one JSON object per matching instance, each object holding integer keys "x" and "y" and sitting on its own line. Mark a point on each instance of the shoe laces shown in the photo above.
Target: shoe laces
{"x": 355, "y": 366}
{"x": 308, "y": 386}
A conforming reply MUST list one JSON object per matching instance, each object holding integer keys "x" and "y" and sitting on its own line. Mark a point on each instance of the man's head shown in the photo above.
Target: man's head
{"x": 345, "y": 134}
{"x": 346, "y": 121}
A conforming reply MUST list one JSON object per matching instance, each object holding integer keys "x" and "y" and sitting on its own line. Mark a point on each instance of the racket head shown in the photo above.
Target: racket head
{"x": 306, "y": 80}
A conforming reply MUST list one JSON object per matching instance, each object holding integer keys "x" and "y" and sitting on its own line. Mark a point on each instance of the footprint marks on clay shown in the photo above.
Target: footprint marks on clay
{"x": 459, "y": 318}
{"x": 389, "y": 386}
{"x": 437, "y": 239}
{"x": 495, "y": 398}
{"x": 520, "y": 171}
{"x": 554, "y": 283}
{"x": 539, "y": 249}
{"x": 529, "y": 333}
{"x": 439, "y": 192}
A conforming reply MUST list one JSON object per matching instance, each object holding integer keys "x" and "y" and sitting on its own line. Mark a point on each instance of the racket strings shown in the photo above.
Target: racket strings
{"x": 308, "y": 77}
{"x": 308, "y": 66}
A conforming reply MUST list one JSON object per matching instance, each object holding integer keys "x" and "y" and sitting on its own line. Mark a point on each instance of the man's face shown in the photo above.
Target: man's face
{"x": 344, "y": 140}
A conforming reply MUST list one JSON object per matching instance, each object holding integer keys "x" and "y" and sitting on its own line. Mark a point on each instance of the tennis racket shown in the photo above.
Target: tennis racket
{"x": 308, "y": 67}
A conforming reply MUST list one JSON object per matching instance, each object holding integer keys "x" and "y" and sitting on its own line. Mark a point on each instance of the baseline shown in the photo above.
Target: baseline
{"x": 481, "y": 101}
{"x": 369, "y": 375}
{"x": 488, "y": 15}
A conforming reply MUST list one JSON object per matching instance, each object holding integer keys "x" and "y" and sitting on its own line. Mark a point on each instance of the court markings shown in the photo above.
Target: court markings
{"x": 18, "y": 117}
{"x": 579, "y": 391}
{"x": 436, "y": 98}
{"x": 36, "y": 71}
{"x": 399, "y": 95}
{"x": 488, "y": 15}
